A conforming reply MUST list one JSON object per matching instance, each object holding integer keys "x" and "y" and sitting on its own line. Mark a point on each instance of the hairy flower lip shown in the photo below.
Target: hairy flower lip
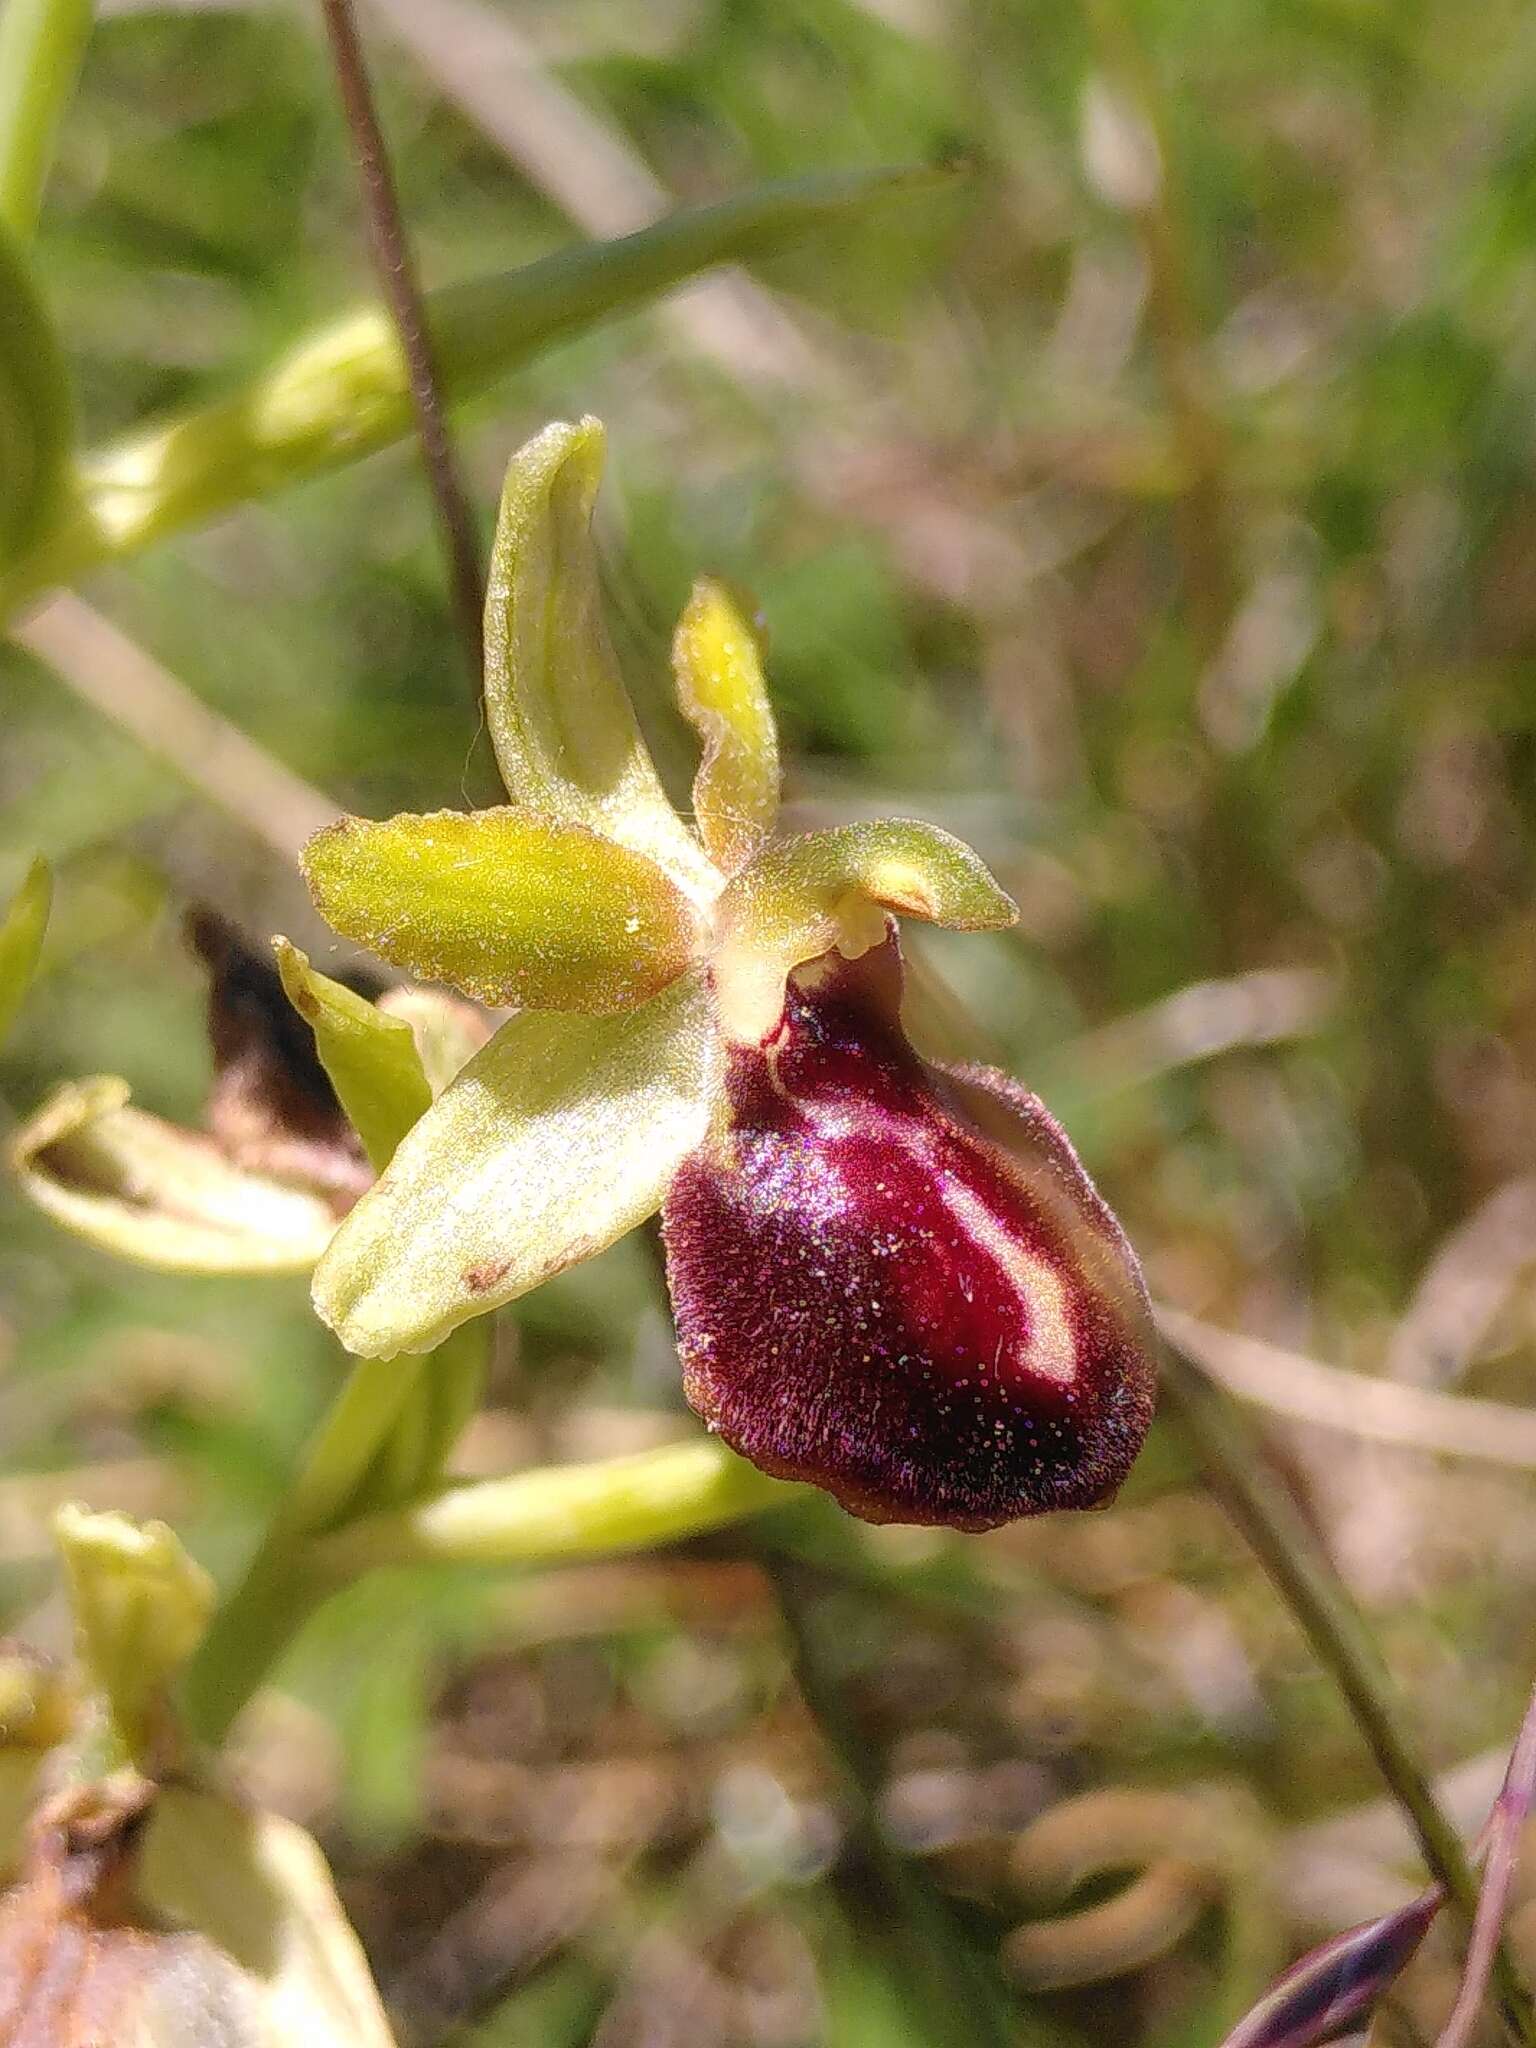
{"x": 896, "y": 1280}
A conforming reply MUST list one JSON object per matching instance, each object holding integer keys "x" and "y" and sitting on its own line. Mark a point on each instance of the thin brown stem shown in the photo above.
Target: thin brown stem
{"x": 1280, "y": 1539}
{"x": 402, "y": 294}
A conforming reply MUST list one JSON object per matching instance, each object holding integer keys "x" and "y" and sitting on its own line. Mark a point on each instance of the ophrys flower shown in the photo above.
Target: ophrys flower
{"x": 890, "y": 1279}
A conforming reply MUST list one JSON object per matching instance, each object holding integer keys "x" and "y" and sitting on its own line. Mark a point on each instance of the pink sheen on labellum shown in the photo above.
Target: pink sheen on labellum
{"x": 896, "y": 1280}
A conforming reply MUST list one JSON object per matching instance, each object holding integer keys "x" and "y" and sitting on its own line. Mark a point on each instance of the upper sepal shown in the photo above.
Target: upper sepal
{"x": 505, "y": 906}
{"x": 560, "y": 718}
{"x": 899, "y": 1283}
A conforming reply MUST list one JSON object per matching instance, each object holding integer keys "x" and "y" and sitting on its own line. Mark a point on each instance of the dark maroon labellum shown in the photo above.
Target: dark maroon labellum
{"x": 897, "y": 1281}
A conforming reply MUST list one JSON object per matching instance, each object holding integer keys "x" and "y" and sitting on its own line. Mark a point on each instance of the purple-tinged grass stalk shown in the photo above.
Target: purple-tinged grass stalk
{"x": 1303, "y": 1577}
{"x": 1510, "y": 1813}
{"x": 1339, "y": 1981}
{"x": 1342, "y": 1979}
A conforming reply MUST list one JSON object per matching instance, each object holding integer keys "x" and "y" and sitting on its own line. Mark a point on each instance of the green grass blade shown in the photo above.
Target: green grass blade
{"x": 21, "y": 940}
{"x": 343, "y": 393}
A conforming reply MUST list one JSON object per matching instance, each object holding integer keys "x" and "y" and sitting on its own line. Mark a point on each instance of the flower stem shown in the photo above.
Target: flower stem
{"x": 41, "y": 44}
{"x": 279, "y": 1590}
{"x": 396, "y": 271}
{"x": 1284, "y": 1546}
{"x": 595, "y": 1510}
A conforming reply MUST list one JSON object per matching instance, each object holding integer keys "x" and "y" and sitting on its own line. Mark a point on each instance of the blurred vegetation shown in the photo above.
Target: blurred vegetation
{"x": 1159, "y": 514}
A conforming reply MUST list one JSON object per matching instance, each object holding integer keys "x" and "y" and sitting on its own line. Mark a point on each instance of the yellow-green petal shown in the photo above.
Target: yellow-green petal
{"x": 719, "y": 670}
{"x": 559, "y": 1136}
{"x": 805, "y": 895}
{"x": 372, "y": 1059}
{"x": 508, "y": 907}
{"x": 560, "y": 718}
{"x": 21, "y": 940}
{"x": 149, "y": 1192}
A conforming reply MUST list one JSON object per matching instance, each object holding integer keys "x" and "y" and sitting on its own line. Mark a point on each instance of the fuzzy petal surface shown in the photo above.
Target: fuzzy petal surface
{"x": 505, "y": 906}
{"x": 560, "y": 719}
{"x": 899, "y": 1283}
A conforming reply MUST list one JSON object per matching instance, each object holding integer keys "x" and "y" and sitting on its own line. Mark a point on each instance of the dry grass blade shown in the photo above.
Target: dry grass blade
{"x": 1416, "y": 1418}
{"x": 113, "y": 674}
{"x": 1464, "y": 1287}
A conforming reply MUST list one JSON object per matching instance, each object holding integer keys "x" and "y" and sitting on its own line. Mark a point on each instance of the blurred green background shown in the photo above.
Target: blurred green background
{"x": 1157, "y": 510}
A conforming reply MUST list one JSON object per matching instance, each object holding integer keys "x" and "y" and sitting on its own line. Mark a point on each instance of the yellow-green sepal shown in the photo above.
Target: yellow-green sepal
{"x": 802, "y": 896}
{"x": 717, "y": 661}
{"x": 560, "y": 1135}
{"x": 150, "y": 1192}
{"x": 372, "y": 1059}
{"x": 507, "y": 906}
{"x": 560, "y": 719}
{"x": 140, "y": 1605}
{"x": 21, "y": 939}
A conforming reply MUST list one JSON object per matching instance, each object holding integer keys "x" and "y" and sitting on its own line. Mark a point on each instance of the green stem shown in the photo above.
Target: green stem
{"x": 598, "y": 1510}
{"x": 41, "y": 44}
{"x": 279, "y": 1590}
{"x": 1285, "y": 1547}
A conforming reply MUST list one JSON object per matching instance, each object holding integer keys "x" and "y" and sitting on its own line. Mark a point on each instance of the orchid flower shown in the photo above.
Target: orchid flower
{"x": 892, "y": 1279}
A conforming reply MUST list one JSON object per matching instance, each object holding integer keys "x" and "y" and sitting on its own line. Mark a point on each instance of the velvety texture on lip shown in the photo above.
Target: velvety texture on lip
{"x": 897, "y": 1281}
